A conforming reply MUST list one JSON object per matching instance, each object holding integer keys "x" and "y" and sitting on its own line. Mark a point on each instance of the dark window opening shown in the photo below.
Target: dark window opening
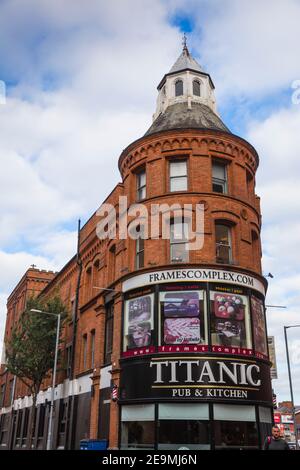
{"x": 219, "y": 178}
{"x": 179, "y": 88}
{"x": 109, "y": 325}
{"x": 223, "y": 244}
{"x": 196, "y": 88}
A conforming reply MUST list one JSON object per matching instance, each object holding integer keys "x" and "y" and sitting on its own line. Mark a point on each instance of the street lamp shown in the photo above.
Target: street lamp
{"x": 290, "y": 378}
{"x": 50, "y": 427}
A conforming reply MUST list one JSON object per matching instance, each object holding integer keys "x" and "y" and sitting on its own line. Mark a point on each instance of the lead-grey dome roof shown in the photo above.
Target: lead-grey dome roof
{"x": 180, "y": 116}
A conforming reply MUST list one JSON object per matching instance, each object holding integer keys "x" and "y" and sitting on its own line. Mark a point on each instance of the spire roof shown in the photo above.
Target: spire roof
{"x": 185, "y": 60}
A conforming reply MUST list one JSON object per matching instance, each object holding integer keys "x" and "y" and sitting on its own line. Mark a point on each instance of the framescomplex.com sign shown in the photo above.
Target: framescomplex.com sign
{"x": 201, "y": 378}
{"x": 194, "y": 275}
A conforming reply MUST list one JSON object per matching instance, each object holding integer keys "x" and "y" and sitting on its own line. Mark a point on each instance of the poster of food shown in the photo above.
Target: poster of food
{"x": 182, "y": 331}
{"x": 228, "y": 320}
{"x": 138, "y": 322}
{"x": 181, "y": 304}
{"x": 229, "y": 306}
{"x": 260, "y": 340}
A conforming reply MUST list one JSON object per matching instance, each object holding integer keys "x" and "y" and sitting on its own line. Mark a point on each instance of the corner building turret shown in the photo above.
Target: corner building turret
{"x": 194, "y": 355}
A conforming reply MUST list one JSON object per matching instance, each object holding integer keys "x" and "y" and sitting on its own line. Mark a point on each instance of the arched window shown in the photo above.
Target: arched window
{"x": 179, "y": 88}
{"x": 88, "y": 283}
{"x": 223, "y": 243}
{"x": 196, "y": 88}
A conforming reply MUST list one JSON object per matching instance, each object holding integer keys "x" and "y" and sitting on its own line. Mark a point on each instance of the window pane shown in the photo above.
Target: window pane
{"x": 179, "y": 88}
{"x": 190, "y": 434}
{"x": 138, "y": 435}
{"x": 178, "y": 184}
{"x": 183, "y": 412}
{"x": 234, "y": 413}
{"x": 178, "y": 168}
{"x": 141, "y": 194}
{"x": 230, "y": 320}
{"x": 222, "y": 234}
{"x": 138, "y": 413}
{"x": 235, "y": 434}
{"x": 219, "y": 171}
{"x": 196, "y": 88}
{"x": 179, "y": 253}
{"x": 141, "y": 179}
{"x": 219, "y": 188}
{"x": 223, "y": 244}
{"x": 179, "y": 231}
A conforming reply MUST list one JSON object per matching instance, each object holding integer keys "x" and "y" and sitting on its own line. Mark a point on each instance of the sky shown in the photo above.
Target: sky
{"x": 81, "y": 82}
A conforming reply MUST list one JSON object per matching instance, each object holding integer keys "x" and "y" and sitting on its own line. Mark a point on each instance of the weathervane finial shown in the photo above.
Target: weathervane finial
{"x": 184, "y": 39}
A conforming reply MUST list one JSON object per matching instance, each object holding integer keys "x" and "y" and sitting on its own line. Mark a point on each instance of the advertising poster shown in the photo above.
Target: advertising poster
{"x": 228, "y": 320}
{"x": 272, "y": 357}
{"x": 260, "y": 342}
{"x": 180, "y": 315}
{"x": 182, "y": 331}
{"x": 138, "y": 322}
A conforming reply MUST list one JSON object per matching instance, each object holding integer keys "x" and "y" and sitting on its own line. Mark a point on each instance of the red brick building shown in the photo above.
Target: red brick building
{"x": 179, "y": 334}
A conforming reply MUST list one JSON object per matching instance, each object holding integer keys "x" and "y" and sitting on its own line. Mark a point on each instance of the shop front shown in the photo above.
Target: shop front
{"x": 195, "y": 372}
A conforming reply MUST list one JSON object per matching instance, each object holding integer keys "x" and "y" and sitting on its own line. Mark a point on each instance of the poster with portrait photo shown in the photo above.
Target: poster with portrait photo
{"x": 259, "y": 329}
{"x": 230, "y": 325}
{"x": 138, "y": 322}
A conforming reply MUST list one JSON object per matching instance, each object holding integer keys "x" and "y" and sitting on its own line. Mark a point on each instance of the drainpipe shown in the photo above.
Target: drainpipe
{"x": 70, "y": 430}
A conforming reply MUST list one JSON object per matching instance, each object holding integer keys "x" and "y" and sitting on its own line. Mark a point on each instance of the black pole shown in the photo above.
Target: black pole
{"x": 291, "y": 384}
{"x": 72, "y": 415}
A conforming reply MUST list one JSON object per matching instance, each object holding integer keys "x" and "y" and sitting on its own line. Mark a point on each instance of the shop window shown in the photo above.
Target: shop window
{"x": 223, "y": 244}
{"x": 25, "y": 427}
{"x": 4, "y": 426}
{"x": 62, "y": 424}
{"x": 178, "y": 88}
{"x": 179, "y": 237}
{"x": 230, "y": 320}
{"x": 183, "y": 425}
{"x": 182, "y": 318}
{"x": 235, "y": 427}
{"x": 138, "y": 427}
{"x": 140, "y": 248}
{"x": 196, "y": 88}
{"x": 219, "y": 177}
{"x": 259, "y": 326}
{"x": 138, "y": 322}
{"x": 141, "y": 185}
{"x": 178, "y": 175}
{"x": 41, "y": 426}
{"x": 19, "y": 428}
{"x": 109, "y": 328}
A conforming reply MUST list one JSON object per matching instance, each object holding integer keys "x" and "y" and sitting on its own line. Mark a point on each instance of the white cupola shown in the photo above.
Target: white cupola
{"x": 186, "y": 82}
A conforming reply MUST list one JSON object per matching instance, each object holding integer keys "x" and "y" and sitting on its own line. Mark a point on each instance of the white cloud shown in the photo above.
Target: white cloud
{"x": 249, "y": 47}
